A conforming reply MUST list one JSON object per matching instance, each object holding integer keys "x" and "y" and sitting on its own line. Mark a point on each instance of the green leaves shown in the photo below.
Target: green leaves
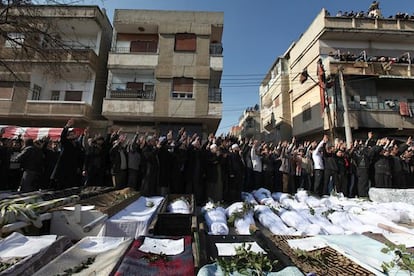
{"x": 315, "y": 258}
{"x": 246, "y": 208}
{"x": 328, "y": 212}
{"x": 246, "y": 262}
{"x": 402, "y": 258}
{"x": 78, "y": 268}
{"x": 9, "y": 263}
{"x": 311, "y": 211}
{"x": 152, "y": 257}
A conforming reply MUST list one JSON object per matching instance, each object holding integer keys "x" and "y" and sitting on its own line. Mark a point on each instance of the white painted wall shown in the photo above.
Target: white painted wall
{"x": 78, "y": 79}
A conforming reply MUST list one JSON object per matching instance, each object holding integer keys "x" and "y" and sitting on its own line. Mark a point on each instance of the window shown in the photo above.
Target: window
{"x": 182, "y": 88}
{"x": 137, "y": 43}
{"x": 185, "y": 42}
{"x": 55, "y": 95}
{"x": 372, "y": 102}
{"x": 143, "y": 46}
{"x": 36, "y": 92}
{"x": 369, "y": 102}
{"x": 354, "y": 102}
{"x": 306, "y": 112}
{"x": 14, "y": 40}
{"x": 75, "y": 96}
{"x": 6, "y": 91}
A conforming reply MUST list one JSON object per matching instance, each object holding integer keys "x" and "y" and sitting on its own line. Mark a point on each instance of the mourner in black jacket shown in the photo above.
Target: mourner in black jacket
{"x": 31, "y": 160}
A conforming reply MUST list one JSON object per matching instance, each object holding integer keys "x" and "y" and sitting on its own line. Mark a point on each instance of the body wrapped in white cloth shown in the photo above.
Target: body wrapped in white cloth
{"x": 317, "y": 218}
{"x": 243, "y": 216}
{"x": 272, "y": 222}
{"x": 263, "y": 195}
{"x": 295, "y": 220}
{"x": 179, "y": 206}
{"x": 216, "y": 220}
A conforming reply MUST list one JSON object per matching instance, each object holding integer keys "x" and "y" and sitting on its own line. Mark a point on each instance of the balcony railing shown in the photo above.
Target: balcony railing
{"x": 131, "y": 93}
{"x": 216, "y": 49}
{"x": 214, "y": 94}
{"x": 144, "y": 47}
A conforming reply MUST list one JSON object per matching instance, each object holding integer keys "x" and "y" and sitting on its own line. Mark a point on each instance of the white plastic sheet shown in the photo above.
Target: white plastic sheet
{"x": 133, "y": 221}
{"x": 229, "y": 249}
{"x": 165, "y": 246}
{"x": 18, "y": 246}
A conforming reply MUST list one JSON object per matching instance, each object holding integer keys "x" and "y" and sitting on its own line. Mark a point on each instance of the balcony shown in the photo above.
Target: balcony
{"x": 399, "y": 70}
{"x": 377, "y": 119}
{"x": 137, "y": 47}
{"x": 216, "y": 49}
{"x": 126, "y": 109}
{"x": 60, "y": 55}
{"x": 216, "y": 63}
{"x": 127, "y": 57}
{"x": 130, "y": 93}
{"x": 369, "y": 23}
{"x": 267, "y": 118}
{"x": 58, "y": 109}
{"x": 214, "y": 95}
{"x": 215, "y": 110}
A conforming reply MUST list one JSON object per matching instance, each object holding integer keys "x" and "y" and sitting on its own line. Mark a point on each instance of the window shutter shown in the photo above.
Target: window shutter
{"x": 183, "y": 84}
{"x": 185, "y": 42}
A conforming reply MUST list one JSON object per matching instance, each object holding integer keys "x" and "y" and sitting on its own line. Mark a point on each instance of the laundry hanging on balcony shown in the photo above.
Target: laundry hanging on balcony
{"x": 13, "y": 132}
{"x": 405, "y": 109}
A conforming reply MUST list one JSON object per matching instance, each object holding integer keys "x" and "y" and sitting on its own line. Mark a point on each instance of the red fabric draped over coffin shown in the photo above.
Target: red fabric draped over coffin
{"x": 135, "y": 263}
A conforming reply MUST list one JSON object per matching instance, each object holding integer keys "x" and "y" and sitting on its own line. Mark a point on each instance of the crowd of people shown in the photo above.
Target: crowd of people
{"x": 363, "y": 56}
{"x": 217, "y": 168}
{"x": 374, "y": 12}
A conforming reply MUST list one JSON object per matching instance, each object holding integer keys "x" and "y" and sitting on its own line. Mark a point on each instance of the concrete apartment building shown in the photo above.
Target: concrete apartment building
{"x": 53, "y": 65}
{"x": 165, "y": 70}
{"x": 375, "y": 57}
{"x": 275, "y": 112}
{"x": 249, "y": 123}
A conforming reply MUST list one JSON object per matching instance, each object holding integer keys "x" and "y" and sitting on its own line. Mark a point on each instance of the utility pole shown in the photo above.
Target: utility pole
{"x": 324, "y": 98}
{"x": 348, "y": 133}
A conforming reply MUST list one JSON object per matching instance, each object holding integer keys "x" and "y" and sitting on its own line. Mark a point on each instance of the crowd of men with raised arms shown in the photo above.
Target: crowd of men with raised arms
{"x": 217, "y": 168}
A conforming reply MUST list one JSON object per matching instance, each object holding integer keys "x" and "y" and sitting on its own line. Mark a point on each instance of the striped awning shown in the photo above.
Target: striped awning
{"x": 12, "y": 132}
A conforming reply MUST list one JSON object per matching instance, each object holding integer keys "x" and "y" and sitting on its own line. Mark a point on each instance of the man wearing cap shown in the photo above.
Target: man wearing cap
{"x": 236, "y": 173}
{"x": 214, "y": 182}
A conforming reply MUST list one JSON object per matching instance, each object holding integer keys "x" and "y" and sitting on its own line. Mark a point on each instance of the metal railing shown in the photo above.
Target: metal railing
{"x": 131, "y": 93}
{"x": 145, "y": 47}
{"x": 214, "y": 94}
{"x": 216, "y": 49}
